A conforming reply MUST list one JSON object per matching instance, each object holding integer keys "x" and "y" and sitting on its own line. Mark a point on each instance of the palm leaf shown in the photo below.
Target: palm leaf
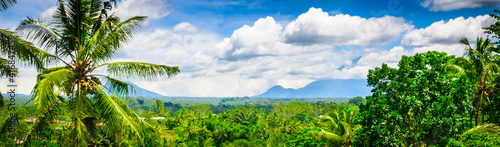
{"x": 38, "y": 30}
{"x": 44, "y": 94}
{"x": 139, "y": 69}
{"x": 114, "y": 115}
{"x": 4, "y": 68}
{"x": 323, "y": 135}
{"x": 44, "y": 120}
{"x": 24, "y": 50}
{"x": 120, "y": 88}
{"x": 78, "y": 133}
{"x": 484, "y": 128}
{"x": 2, "y": 103}
{"x": 106, "y": 41}
{"x": 4, "y": 4}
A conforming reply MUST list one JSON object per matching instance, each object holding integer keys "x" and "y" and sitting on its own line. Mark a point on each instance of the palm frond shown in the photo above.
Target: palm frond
{"x": 323, "y": 135}
{"x": 139, "y": 69}
{"x": 44, "y": 94}
{"x": 44, "y": 121}
{"x": 79, "y": 105}
{"x": 24, "y": 50}
{"x": 484, "y": 128}
{"x": 4, "y": 68}
{"x": 106, "y": 41}
{"x": 119, "y": 88}
{"x": 114, "y": 115}
{"x": 39, "y": 31}
{"x": 4, "y": 4}
{"x": 78, "y": 133}
{"x": 2, "y": 104}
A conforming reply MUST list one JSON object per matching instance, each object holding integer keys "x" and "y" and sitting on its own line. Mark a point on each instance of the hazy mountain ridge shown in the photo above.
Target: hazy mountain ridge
{"x": 337, "y": 88}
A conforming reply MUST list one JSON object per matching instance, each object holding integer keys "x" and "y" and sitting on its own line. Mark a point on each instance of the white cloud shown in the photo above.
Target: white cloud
{"x": 47, "y": 14}
{"x": 318, "y": 27}
{"x": 261, "y": 39}
{"x": 311, "y": 32}
{"x": 454, "y": 49}
{"x": 186, "y": 27}
{"x": 443, "y": 36}
{"x": 391, "y": 57}
{"x": 153, "y": 9}
{"x": 447, "y": 5}
{"x": 448, "y": 32}
{"x": 25, "y": 80}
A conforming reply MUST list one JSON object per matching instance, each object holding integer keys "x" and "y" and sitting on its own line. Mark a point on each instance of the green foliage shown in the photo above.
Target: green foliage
{"x": 481, "y": 139}
{"x": 419, "y": 103}
{"x": 494, "y": 29}
{"x": 480, "y": 67}
{"x": 486, "y": 135}
{"x": 289, "y": 124}
{"x": 84, "y": 36}
{"x": 357, "y": 100}
{"x": 303, "y": 139}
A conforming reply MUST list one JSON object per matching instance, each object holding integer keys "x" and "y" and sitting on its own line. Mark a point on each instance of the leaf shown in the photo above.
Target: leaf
{"x": 139, "y": 69}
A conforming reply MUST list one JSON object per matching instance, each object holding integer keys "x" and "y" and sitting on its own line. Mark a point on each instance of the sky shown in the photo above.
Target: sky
{"x": 242, "y": 48}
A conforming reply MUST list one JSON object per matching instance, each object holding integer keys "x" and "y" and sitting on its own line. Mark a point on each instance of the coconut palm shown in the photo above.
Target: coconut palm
{"x": 479, "y": 66}
{"x": 342, "y": 125}
{"x": 84, "y": 37}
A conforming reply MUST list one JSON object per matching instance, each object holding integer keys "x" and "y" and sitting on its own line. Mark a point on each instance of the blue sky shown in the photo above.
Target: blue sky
{"x": 242, "y": 48}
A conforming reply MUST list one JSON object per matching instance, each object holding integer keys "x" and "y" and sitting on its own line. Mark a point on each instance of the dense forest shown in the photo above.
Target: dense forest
{"x": 429, "y": 99}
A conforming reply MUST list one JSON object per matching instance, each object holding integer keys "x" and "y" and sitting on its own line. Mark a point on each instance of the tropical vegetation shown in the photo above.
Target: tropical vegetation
{"x": 428, "y": 99}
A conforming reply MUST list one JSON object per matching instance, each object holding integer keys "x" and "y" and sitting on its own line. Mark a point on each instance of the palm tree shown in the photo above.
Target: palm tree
{"x": 479, "y": 66}
{"x": 84, "y": 38}
{"x": 342, "y": 125}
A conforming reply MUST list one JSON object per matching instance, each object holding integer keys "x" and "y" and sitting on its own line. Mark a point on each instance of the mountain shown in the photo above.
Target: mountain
{"x": 146, "y": 93}
{"x": 7, "y": 96}
{"x": 338, "y": 88}
{"x": 138, "y": 93}
{"x": 354, "y": 63}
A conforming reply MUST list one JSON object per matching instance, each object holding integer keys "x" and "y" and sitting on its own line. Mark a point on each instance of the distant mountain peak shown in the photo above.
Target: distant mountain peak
{"x": 353, "y": 63}
{"x": 338, "y": 88}
{"x": 142, "y": 92}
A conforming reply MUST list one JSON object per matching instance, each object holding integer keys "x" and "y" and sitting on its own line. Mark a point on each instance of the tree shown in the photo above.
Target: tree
{"x": 342, "y": 126}
{"x": 422, "y": 102}
{"x": 494, "y": 29}
{"x": 479, "y": 66}
{"x": 357, "y": 100}
{"x": 88, "y": 37}
{"x": 161, "y": 109}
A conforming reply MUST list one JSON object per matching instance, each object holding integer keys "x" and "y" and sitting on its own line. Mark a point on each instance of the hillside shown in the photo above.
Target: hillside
{"x": 323, "y": 88}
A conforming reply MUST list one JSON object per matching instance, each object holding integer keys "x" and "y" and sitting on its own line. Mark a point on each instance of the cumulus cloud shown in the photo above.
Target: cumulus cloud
{"x": 390, "y": 57}
{"x": 454, "y": 49}
{"x": 448, "y": 32}
{"x": 447, "y": 5}
{"x": 312, "y": 31}
{"x": 47, "y": 14}
{"x": 318, "y": 27}
{"x": 444, "y": 35}
{"x": 261, "y": 39}
{"x": 153, "y": 9}
{"x": 185, "y": 27}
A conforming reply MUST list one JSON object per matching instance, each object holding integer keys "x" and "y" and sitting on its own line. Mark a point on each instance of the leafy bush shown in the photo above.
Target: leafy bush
{"x": 419, "y": 103}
